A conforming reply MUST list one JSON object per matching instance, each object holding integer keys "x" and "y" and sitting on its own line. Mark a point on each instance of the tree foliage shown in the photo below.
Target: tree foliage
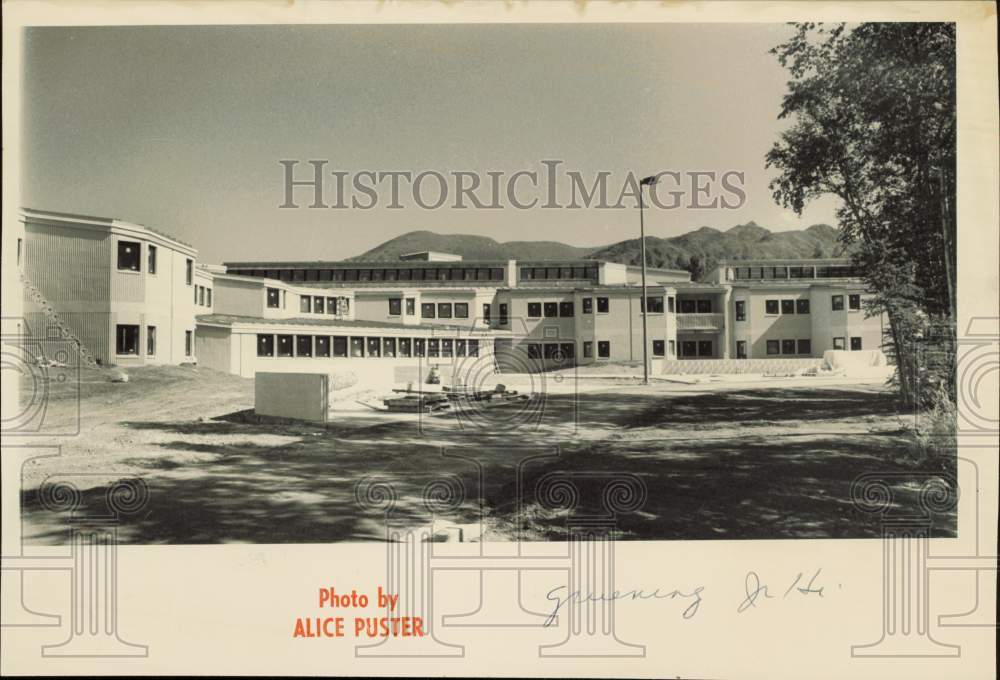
{"x": 872, "y": 112}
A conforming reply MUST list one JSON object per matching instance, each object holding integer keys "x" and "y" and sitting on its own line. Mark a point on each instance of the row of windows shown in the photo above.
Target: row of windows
{"x": 771, "y": 307}
{"x": 203, "y": 296}
{"x": 794, "y": 272}
{"x": 380, "y": 274}
{"x": 802, "y": 346}
{"x": 443, "y": 310}
{"x": 789, "y": 347}
{"x": 130, "y": 258}
{"x": 553, "y": 273}
{"x": 316, "y": 304}
{"x": 353, "y": 346}
{"x": 127, "y": 340}
{"x": 853, "y": 302}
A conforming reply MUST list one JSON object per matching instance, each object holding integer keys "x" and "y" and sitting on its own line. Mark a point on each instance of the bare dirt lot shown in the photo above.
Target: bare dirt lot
{"x": 727, "y": 460}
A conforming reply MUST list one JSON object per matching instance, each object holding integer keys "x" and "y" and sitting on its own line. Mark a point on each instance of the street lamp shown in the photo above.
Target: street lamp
{"x": 644, "y": 182}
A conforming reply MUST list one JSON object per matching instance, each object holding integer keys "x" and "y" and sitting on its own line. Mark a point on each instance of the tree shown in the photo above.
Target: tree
{"x": 696, "y": 267}
{"x": 873, "y": 111}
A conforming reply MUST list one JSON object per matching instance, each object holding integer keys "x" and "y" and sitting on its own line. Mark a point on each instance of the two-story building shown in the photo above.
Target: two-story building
{"x": 127, "y": 292}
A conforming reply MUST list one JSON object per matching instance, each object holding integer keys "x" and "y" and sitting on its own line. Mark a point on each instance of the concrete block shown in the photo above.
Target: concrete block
{"x": 303, "y": 396}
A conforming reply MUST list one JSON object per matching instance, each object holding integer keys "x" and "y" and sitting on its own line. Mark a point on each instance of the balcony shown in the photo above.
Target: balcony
{"x": 701, "y": 322}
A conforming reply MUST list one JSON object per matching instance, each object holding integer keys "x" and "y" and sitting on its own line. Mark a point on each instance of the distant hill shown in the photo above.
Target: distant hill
{"x": 470, "y": 248}
{"x": 696, "y": 251}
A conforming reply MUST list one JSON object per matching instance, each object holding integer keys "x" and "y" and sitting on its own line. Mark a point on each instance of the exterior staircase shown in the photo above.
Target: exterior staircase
{"x": 32, "y": 293}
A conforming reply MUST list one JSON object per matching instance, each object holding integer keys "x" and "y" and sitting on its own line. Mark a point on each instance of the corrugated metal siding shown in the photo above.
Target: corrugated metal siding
{"x": 71, "y": 268}
{"x": 68, "y": 265}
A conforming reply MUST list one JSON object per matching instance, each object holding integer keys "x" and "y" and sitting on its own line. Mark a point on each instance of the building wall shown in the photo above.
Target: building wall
{"x": 242, "y": 356}
{"x": 71, "y": 268}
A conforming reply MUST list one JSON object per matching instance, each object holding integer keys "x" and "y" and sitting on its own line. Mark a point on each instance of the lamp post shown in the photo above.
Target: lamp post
{"x": 645, "y": 181}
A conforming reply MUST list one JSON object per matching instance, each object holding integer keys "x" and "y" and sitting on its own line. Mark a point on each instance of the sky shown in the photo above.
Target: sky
{"x": 182, "y": 128}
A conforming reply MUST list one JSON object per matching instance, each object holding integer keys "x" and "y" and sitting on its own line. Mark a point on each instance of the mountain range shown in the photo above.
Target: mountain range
{"x": 696, "y": 251}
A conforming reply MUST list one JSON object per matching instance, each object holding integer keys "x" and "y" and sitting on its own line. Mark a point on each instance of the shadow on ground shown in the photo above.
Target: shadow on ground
{"x": 705, "y": 471}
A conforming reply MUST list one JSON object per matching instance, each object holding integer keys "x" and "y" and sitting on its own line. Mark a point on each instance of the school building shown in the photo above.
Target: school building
{"x": 133, "y": 296}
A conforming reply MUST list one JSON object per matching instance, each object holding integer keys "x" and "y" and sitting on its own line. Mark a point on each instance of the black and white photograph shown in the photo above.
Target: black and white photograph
{"x": 460, "y": 285}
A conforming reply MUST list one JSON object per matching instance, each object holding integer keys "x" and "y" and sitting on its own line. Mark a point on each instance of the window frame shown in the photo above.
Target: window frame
{"x": 137, "y": 257}
{"x": 606, "y": 304}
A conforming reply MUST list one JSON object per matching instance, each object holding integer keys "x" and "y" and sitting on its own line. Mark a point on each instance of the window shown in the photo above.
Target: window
{"x": 331, "y": 305}
{"x": 588, "y": 305}
{"x": 770, "y": 307}
{"x": 273, "y": 299}
{"x": 670, "y": 304}
{"x": 201, "y": 295}
{"x": 741, "y": 349}
{"x": 188, "y": 343}
{"x": 405, "y": 347}
{"x": 788, "y": 306}
{"x": 658, "y": 348}
{"x": 603, "y": 347}
{"x": 433, "y": 347}
{"x": 741, "y": 310}
{"x": 672, "y": 346}
{"x": 419, "y": 347}
{"x": 460, "y": 348}
{"x": 705, "y": 348}
{"x": 357, "y": 347}
{"x": 447, "y": 348}
{"x": 318, "y": 305}
{"x": 209, "y": 298}
{"x": 503, "y": 314}
{"x": 461, "y": 310}
{"x": 305, "y": 304}
{"x": 773, "y": 347}
{"x": 265, "y": 345}
{"x": 837, "y": 302}
{"x": 303, "y": 346}
{"x": 151, "y": 341}
{"x": 566, "y": 308}
{"x": 534, "y": 350}
{"x": 411, "y": 306}
{"x": 128, "y": 256}
{"x": 567, "y": 350}
{"x": 788, "y": 347}
{"x": 602, "y": 305}
{"x": 689, "y": 348}
{"x": 189, "y": 271}
{"x": 389, "y": 347}
{"x": 195, "y": 289}
{"x": 444, "y": 310}
{"x": 339, "y": 346}
{"x": 427, "y": 310}
{"x": 151, "y": 259}
{"x": 322, "y": 345}
{"x": 654, "y": 304}
{"x": 486, "y": 313}
{"x": 534, "y": 310}
{"x": 551, "y": 350}
{"x": 588, "y": 349}
{"x": 805, "y": 346}
{"x": 551, "y": 310}
{"x": 344, "y": 306}
{"x": 704, "y": 306}
{"x": 838, "y": 343}
{"x": 473, "y": 348}
{"x": 855, "y": 344}
{"x": 395, "y": 306}
{"x": 374, "y": 347}
{"x": 802, "y": 306}
{"x": 854, "y": 302}
{"x": 284, "y": 345}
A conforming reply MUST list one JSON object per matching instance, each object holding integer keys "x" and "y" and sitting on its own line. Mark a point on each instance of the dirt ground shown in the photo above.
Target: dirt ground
{"x": 664, "y": 461}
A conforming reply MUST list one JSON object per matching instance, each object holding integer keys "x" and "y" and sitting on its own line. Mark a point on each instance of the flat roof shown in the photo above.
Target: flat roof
{"x": 98, "y": 221}
{"x": 231, "y": 320}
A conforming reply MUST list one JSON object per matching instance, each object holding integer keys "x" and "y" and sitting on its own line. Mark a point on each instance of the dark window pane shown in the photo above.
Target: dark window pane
{"x": 602, "y": 305}
{"x": 551, "y": 310}
{"x": 534, "y": 310}
{"x": 802, "y": 307}
{"x": 128, "y": 255}
{"x": 588, "y": 305}
{"x": 265, "y": 345}
{"x": 303, "y": 345}
{"x": 322, "y": 345}
{"x": 565, "y": 309}
{"x": 771, "y": 306}
{"x": 788, "y": 306}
